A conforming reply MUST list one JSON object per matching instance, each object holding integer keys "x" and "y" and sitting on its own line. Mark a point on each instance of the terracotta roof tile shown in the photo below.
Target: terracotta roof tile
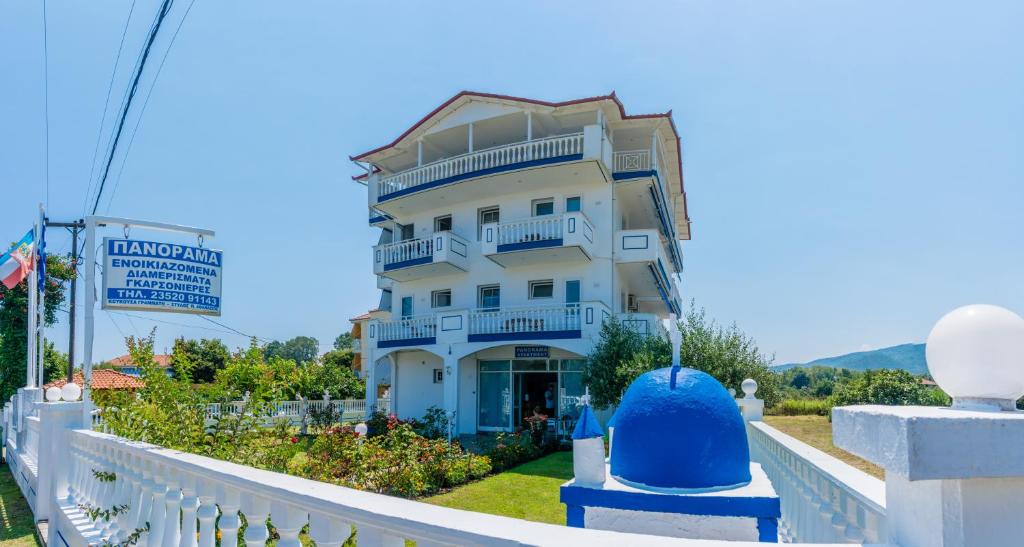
{"x": 104, "y": 379}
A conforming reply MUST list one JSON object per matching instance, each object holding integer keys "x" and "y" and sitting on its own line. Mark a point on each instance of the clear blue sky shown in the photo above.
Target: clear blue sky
{"x": 854, "y": 169}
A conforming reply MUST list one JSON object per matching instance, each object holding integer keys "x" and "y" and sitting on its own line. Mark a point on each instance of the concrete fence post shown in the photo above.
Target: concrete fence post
{"x": 56, "y": 420}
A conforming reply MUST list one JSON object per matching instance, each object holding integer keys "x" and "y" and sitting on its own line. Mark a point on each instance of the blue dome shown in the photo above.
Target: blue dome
{"x": 686, "y": 436}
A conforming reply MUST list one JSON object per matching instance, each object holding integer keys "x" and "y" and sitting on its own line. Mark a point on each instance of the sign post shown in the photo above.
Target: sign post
{"x": 148, "y": 276}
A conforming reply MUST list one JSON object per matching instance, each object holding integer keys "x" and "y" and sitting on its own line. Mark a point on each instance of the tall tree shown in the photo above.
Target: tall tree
{"x": 301, "y": 349}
{"x": 14, "y": 329}
{"x": 343, "y": 341}
{"x": 200, "y": 358}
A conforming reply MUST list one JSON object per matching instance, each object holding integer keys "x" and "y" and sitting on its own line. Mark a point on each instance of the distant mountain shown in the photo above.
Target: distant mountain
{"x": 909, "y": 357}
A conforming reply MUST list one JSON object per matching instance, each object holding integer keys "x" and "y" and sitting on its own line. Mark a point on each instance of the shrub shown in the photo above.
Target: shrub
{"x": 434, "y": 424}
{"x": 802, "y": 407}
{"x": 507, "y": 450}
{"x": 886, "y": 387}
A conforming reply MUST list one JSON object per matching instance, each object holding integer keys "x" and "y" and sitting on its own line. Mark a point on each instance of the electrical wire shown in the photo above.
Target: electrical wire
{"x": 164, "y": 8}
{"x": 145, "y": 103}
{"x": 106, "y": 106}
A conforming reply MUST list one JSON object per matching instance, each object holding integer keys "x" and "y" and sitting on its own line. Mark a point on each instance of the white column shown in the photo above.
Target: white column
{"x": 189, "y": 506}
{"x": 255, "y": 510}
{"x": 654, "y": 150}
{"x": 288, "y": 520}
{"x": 470, "y": 137}
{"x": 419, "y": 152}
{"x": 451, "y": 393}
{"x": 172, "y": 509}
{"x": 529, "y": 125}
{"x": 328, "y": 531}
{"x": 371, "y": 380}
{"x": 229, "y": 520}
{"x": 207, "y": 514}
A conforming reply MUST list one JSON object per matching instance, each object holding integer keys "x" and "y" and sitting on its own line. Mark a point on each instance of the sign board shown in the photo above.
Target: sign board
{"x": 157, "y": 276}
{"x": 525, "y": 352}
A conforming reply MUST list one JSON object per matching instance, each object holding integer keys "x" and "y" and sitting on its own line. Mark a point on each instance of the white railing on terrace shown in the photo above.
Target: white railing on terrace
{"x": 498, "y": 156}
{"x": 542, "y": 228}
{"x": 824, "y": 500}
{"x": 409, "y": 249}
{"x": 631, "y": 160}
{"x": 525, "y": 320}
{"x": 423, "y": 326}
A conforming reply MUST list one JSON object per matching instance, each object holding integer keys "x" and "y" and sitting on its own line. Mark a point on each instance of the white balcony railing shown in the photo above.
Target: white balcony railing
{"x": 410, "y": 328}
{"x": 824, "y": 500}
{"x": 631, "y": 160}
{"x": 402, "y": 251}
{"x": 532, "y": 229}
{"x": 525, "y": 320}
{"x": 498, "y": 156}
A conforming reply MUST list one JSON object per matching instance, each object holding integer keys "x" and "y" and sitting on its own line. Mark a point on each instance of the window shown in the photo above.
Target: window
{"x": 487, "y": 215}
{"x": 408, "y": 231}
{"x": 543, "y": 207}
{"x": 573, "y": 204}
{"x": 443, "y": 223}
{"x": 438, "y": 376}
{"x": 441, "y": 299}
{"x": 542, "y": 289}
{"x": 489, "y": 297}
{"x": 385, "y": 300}
{"x": 572, "y": 291}
{"x": 406, "y": 307}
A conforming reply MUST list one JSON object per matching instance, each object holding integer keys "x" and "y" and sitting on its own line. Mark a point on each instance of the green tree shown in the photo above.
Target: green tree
{"x": 334, "y": 373}
{"x": 343, "y": 341}
{"x": 301, "y": 349}
{"x": 13, "y": 324}
{"x": 621, "y": 355}
{"x": 201, "y": 358}
{"x": 887, "y": 387}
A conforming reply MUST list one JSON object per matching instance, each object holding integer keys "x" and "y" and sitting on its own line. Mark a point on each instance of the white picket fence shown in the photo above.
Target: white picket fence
{"x": 348, "y": 409}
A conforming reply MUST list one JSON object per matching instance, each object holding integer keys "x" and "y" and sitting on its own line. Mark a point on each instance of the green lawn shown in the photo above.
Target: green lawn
{"x": 817, "y": 432}
{"x": 16, "y": 525}
{"x": 528, "y": 491}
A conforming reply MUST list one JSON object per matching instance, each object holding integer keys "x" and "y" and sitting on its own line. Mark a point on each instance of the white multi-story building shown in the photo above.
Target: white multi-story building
{"x": 511, "y": 229}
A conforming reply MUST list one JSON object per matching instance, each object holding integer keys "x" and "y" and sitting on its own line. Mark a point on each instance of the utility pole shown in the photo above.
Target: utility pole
{"x": 73, "y": 227}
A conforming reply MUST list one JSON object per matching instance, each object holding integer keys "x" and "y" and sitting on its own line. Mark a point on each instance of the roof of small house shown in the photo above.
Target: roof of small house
{"x": 104, "y": 379}
{"x": 162, "y": 361}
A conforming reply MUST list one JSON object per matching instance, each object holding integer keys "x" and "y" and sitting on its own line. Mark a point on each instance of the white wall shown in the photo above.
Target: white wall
{"x": 596, "y": 275}
{"x": 415, "y": 390}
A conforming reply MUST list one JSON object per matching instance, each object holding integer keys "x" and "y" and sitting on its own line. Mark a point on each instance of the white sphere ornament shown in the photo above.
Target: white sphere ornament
{"x": 53, "y": 394}
{"x": 71, "y": 392}
{"x": 361, "y": 429}
{"x": 976, "y": 355}
{"x": 749, "y": 387}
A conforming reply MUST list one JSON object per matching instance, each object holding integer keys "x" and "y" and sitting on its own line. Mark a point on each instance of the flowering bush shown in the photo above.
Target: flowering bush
{"x": 397, "y": 461}
{"x": 507, "y": 450}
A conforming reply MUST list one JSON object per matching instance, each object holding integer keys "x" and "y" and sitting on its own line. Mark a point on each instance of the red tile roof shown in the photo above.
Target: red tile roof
{"x": 362, "y": 317}
{"x": 104, "y": 379}
{"x": 162, "y": 361}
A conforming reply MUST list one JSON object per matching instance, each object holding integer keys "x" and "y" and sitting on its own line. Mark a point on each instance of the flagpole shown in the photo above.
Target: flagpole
{"x": 40, "y": 249}
{"x": 30, "y": 330}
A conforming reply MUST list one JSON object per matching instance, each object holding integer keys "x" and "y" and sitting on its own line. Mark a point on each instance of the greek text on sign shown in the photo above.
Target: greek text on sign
{"x": 156, "y": 276}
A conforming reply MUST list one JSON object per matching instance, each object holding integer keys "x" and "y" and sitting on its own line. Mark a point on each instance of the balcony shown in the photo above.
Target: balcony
{"x": 641, "y": 258}
{"x": 647, "y": 324}
{"x": 642, "y": 194}
{"x": 410, "y": 331}
{"x": 529, "y": 323}
{"x": 505, "y": 165}
{"x": 539, "y": 240}
{"x": 443, "y": 253}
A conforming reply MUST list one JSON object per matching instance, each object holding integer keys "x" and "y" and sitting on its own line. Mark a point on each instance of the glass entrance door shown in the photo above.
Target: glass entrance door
{"x": 494, "y": 396}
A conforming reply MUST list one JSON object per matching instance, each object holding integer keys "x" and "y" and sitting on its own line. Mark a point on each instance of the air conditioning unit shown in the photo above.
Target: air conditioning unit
{"x": 632, "y": 306}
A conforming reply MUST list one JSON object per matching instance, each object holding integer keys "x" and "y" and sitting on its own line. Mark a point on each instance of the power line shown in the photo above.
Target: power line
{"x": 231, "y": 328}
{"x": 115, "y": 325}
{"x": 106, "y": 105}
{"x": 164, "y": 8}
{"x": 145, "y": 103}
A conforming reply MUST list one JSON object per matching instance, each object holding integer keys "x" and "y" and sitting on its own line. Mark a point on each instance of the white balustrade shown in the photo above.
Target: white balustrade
{"x": 403, "y": 251}
{"x": 823, "y": 499}
{"x": 410, "y": 328}
{"x": 188, "y": 489}
{"x": 498, "y": 156}
{"x": 32, "y": 438}
{"x": 525, "y": 320}
{"x": 542, "y": 228}
{"x": 631, "y": 160}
